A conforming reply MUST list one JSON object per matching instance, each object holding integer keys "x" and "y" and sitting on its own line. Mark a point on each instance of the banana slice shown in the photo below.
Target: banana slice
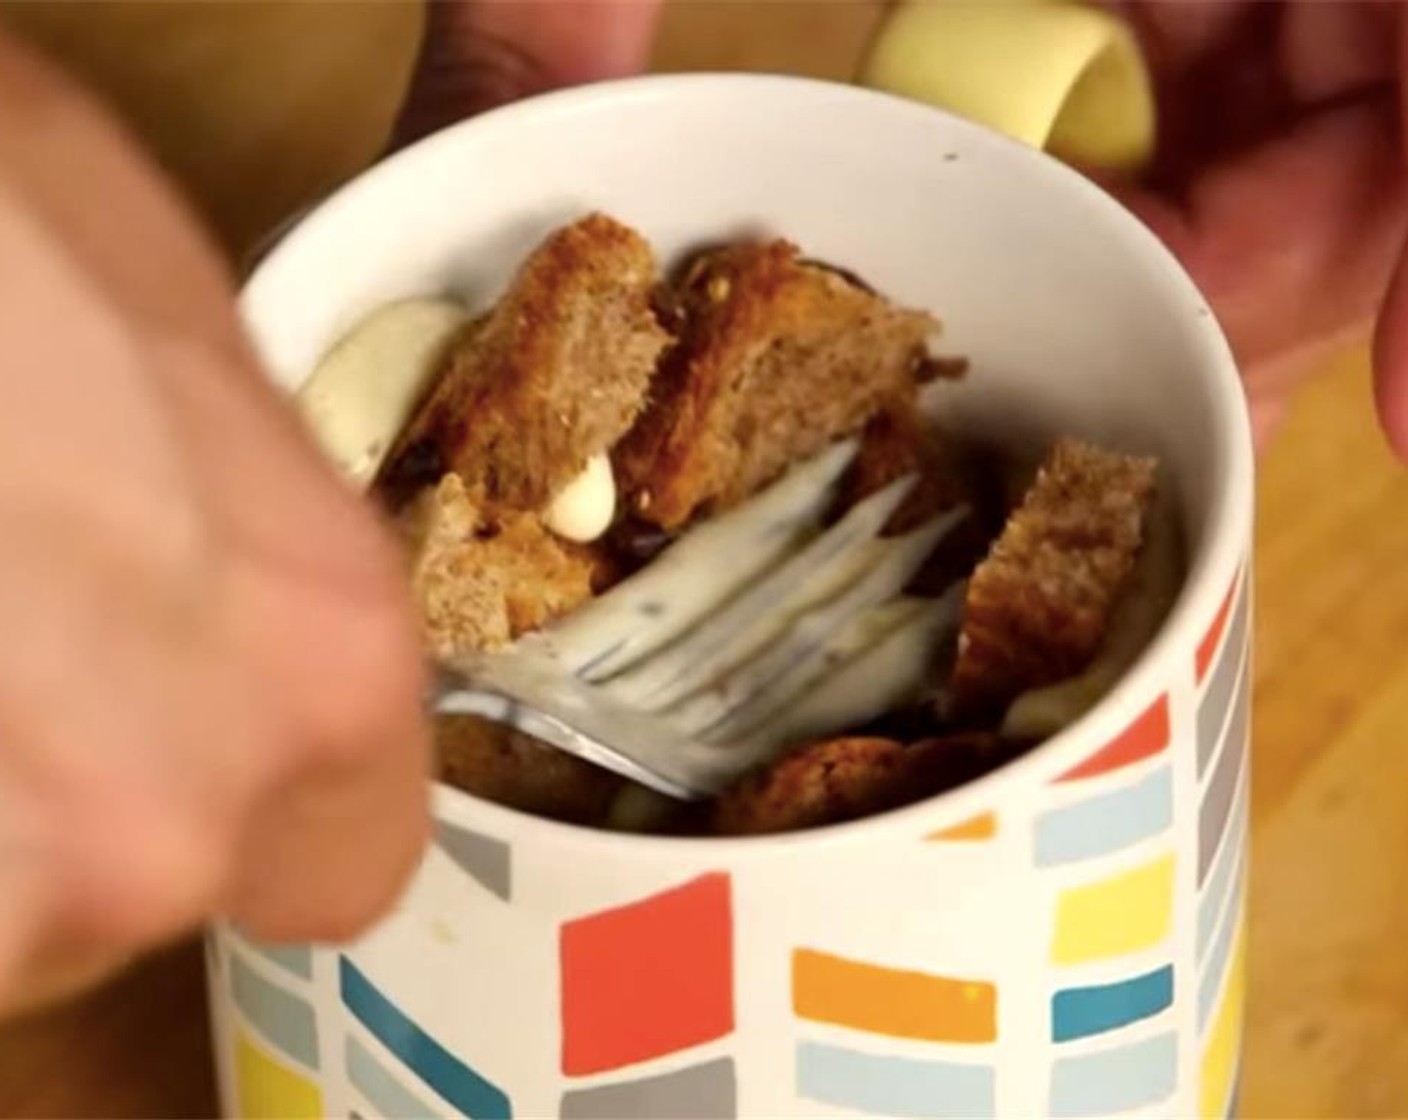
{"x": 365, "y": 388}
{"x": 873, "y": 674}
{"x": 737, "y": 698}
{"x": 761, "y": 612}
{"x": 1066, "y": 77}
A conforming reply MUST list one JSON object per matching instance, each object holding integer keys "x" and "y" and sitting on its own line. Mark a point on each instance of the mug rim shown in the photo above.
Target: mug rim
{"x": 1223, "y": 551}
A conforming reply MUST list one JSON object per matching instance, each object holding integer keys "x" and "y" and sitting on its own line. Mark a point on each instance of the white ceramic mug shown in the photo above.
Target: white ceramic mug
{"x": 1061, "y": 937}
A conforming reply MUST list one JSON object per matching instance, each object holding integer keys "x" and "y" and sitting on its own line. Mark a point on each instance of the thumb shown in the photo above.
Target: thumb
{"x": 479, "y": 54}
{"x": 1391, "y": 361}
{"x": 1391, "y": 336}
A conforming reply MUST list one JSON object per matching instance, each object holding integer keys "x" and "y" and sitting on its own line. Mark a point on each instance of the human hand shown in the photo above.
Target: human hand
{"x": 480, "y": 54}
{"x": 1279, "y": 181}
{"x": 209, "y": 671}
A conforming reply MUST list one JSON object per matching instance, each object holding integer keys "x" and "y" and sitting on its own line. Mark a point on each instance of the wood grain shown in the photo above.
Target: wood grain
{"x": 1328, "y": 1011}
{"x": 258, "y": 131}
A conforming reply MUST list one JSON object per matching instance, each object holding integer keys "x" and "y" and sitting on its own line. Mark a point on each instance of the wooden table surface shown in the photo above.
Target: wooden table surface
{"x": 1328, "y": 1017}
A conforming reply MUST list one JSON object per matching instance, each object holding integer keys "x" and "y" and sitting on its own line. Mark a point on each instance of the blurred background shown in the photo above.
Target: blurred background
{"x": 258, "y": 123}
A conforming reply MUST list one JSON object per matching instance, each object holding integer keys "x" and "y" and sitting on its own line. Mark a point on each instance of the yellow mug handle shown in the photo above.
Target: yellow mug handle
{"x": 1056, "y": 75}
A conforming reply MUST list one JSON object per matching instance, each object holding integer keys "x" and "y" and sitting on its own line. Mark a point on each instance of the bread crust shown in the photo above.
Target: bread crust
{"x": 481, "y": 584}
{"x": 555, "y": 373}
{"x": 1037, "y": 608}
{"x": 900, "y": 440}
{"x": 848, "y": 778}
{"x": 777, "y": 358}
{"x": 509, "y": 768}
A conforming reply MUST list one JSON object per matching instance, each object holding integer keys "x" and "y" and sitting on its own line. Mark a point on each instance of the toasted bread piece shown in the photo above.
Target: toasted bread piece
{"x": 554, "y": 374}
{"x": 778, "y": 358}
{"x": 835, "y": 780}
{"x": 480, "y": 586}
{"x": 845, "y": 779}
{"x": 901, "y": 440}
{"x": 510, "y": 768}
{"x": 1038, "y": 607}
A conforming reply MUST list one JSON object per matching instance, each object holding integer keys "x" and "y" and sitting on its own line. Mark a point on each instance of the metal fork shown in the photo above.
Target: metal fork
{"x": 535, "y": 697}
{"x": 757, "y": 629}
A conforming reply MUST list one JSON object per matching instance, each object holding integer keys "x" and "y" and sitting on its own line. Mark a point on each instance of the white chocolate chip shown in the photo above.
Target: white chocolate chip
{"x": 582, "y": 510}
